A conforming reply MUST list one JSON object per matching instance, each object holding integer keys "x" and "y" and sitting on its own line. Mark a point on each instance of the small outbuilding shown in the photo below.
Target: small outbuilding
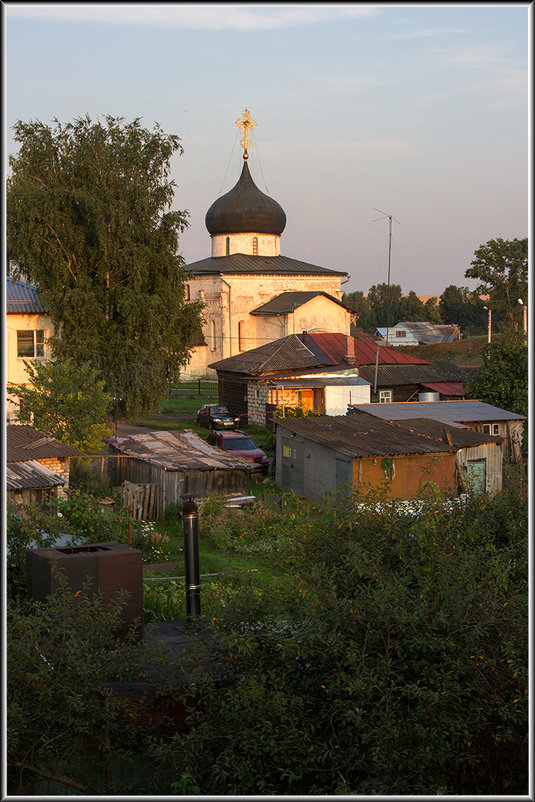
{"x": 323, "y": 455}
{"x": 37, "y": 465}
{"x": 174, "y": 464}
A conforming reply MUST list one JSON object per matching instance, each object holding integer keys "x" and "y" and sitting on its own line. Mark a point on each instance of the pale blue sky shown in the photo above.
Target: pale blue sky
{"x": 419, "y": 111}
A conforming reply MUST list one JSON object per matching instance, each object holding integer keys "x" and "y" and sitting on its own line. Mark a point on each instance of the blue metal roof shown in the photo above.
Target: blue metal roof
{"x": 452, "y": 412}
{"x": 22, "y": 298}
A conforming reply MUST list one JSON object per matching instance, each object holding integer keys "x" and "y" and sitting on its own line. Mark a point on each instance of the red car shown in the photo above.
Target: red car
{"x": 241, "y": 445}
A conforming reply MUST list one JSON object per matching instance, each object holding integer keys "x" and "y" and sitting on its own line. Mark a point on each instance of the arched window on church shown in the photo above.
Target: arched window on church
{"x": 228, "y": 246}
{"x": 241, "y": 336}
{"x": 212, "y": 336}
{"x": 255, "y": 246}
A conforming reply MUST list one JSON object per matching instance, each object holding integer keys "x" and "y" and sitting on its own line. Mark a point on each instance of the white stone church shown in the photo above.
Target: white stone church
{"x": 252, "y": 294}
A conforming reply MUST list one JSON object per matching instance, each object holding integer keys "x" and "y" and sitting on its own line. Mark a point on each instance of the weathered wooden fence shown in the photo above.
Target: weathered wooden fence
{"x": 142, "y": 500}
{"x": 195, "y": 387}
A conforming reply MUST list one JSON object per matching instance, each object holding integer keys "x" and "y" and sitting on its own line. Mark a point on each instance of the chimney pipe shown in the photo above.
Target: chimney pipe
{"x": 350, "y": 351}
{"x": 191, "y": 557}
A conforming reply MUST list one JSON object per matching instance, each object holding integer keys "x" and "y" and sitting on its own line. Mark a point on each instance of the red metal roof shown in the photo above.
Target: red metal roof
{"x": 335, "y": 346}
{"x": 447, "y": 388}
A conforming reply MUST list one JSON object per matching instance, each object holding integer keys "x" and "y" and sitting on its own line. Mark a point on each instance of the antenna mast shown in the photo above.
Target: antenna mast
{"x": 390, "y": 218}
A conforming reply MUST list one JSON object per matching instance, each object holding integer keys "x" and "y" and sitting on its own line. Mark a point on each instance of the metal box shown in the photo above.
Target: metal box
{"x": 109, "y": 567}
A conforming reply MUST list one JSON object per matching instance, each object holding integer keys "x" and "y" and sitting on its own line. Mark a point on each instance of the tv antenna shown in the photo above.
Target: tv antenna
{"x": 390, "y": 218}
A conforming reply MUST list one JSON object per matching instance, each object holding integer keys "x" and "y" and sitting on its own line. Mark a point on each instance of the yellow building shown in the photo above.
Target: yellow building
{"x": 28, "y": 329}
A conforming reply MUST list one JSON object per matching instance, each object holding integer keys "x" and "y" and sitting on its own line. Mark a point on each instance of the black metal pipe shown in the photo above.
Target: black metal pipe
{"x": 191, "y": 557}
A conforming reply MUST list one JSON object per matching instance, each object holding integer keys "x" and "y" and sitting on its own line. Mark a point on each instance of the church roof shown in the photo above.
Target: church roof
{"x": 245, "y": 264}
{"x": 245, "y": 209}
{"x": 288, "y": 301}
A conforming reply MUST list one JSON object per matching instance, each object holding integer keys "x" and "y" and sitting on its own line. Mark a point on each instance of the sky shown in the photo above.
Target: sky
{"x": 419, "y": 112}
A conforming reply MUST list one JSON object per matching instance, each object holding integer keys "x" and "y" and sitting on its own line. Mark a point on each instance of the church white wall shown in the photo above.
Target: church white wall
{"x": 229, "y": 300}
{"x": 266, "y": 244}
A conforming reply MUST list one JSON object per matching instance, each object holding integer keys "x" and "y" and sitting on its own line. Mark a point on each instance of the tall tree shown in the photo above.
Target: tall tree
{"x": 502, "y": 268}
{"x": 465, "y": 308}
{"x": 412, "y": 308}
{"x": 89, "y": 221}
{"x": 386, "y": 302}
{"x": 365, "y": 316}
{"x": 503, "y": 379}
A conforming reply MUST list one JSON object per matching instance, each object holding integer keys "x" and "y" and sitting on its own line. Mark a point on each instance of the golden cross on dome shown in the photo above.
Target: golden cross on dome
{"x": 245, "y": 122}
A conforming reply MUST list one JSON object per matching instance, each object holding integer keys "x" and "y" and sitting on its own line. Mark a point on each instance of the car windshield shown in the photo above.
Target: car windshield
{"x": 239, "y": 443}
{"x": 219, "y": 410}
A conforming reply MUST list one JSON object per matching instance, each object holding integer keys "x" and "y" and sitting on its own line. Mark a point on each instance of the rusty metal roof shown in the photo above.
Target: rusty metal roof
{"x": 460, "y": 438}
{"x": 22, "y": 298}
{"x": 302, "y": 351}
{"x": 24, "y": 443}
{"x": 245, "y": 264}
{"x": 361, "y": 435}
{"x": 287, "y": 302}
{"x": 177, "y": 451}
{"x": 25, "y": 475}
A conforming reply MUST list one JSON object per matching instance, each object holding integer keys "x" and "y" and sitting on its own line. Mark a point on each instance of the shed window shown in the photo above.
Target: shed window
{"x": 491, "y": 428}
{"x": 30, "y": 343}
{"x": 385, "y": 396}
{"x": 401, "y": 333}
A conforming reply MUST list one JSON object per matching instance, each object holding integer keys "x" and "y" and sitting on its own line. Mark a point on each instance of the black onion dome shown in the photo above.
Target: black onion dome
{"x": 245, "y": 209}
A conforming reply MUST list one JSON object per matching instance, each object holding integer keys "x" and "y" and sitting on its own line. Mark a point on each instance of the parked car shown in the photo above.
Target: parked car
{"x": 217, "y": 416}
{"x": 241, "y": 445}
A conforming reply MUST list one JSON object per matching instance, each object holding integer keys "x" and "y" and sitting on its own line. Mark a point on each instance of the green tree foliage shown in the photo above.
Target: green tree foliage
{"x": 390, "y": 659}
{"x": 465, "y": 308}
{"x": 503, "y": 379}
{"x": 89, "y": 221}
{"x": 386, "y": 303}
{"x": 412, "y": 308}
{"x": 68, "y": 402}
{"x": 360, "y": 304}
{"x": 502, "y": 268}
{"x": 432, "y": 311}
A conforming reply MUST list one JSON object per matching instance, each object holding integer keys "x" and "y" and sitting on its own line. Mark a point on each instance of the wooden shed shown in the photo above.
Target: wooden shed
{"x": 322, "y": 455}
{"x": 168, "y": 465}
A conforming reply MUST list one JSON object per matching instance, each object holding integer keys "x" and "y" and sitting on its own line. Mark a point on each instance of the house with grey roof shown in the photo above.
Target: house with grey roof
{"x": 37, "y": 465}
{"x": 469, "y": 414}
{"x": 419, "y": 333}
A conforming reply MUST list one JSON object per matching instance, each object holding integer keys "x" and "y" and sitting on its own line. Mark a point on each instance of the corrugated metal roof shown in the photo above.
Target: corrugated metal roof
{"x": 414, "y": 374}
{"x": 289, "y": 301}
{"x": 452, "y": 412}
{"x": 317, "y": 381}
{"x": 242, "y": 263}
{"x": 25, "y": 475}
{"x": 361, "y": 435}
{"x": 288, "y": 353}
{"x": 446, "y": 388}
{"x": 177, "y": 451}
{"x": 22, "y": 298}
{"x": 301, "y": 351}
{"x": 460, "y": 438}
{"x": 23, "y": 443}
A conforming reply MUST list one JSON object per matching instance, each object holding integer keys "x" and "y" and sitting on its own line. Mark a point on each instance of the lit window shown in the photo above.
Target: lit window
{"x": 255, "y": 246}
{"x": 30, "y": 343}
{"x": 385, "y": 396}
